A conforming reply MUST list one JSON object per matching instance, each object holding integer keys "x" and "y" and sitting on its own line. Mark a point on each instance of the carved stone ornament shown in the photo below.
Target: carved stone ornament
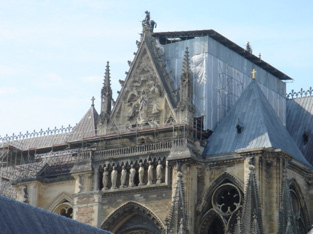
{"x": 143, "y": 96}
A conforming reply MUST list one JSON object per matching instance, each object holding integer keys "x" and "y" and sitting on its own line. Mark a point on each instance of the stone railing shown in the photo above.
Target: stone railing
{"x": 301, "y": 93}
{"x": 34, "y": 134}
{"x": 162, "y": 146}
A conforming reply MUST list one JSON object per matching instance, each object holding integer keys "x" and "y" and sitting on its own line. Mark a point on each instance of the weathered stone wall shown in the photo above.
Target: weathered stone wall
{"x": 158, "y": 200}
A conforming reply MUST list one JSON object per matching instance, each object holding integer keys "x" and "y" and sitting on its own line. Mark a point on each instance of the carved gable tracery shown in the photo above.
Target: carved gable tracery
{"x": 143, "y": 100}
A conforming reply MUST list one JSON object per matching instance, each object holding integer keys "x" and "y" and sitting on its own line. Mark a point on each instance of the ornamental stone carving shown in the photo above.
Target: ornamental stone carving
{"x": 114, "y": 178}
{"x": 141, "y": 173}
{"x": 132, "y": 173}
{"x": 123, "y": 177}
{"x": 105, "y": 179}
{"x": 159, "y": 172}
{"x": 150, "y": 173}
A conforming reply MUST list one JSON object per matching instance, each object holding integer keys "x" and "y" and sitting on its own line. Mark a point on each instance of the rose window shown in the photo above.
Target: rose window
{"x": 226, "y": 199}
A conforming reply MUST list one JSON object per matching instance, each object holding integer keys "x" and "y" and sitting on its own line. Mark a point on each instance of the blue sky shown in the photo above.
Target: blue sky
{"x": 53, "y": 52}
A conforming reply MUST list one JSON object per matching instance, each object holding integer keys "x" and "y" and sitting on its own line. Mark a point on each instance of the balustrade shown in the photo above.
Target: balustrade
{"x": 134, "y": 174}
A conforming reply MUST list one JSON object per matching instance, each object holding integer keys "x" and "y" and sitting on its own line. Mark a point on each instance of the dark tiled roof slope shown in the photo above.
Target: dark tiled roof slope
{"x": 299, "y": 121}
{"x": 261, "y": 128}
{"x": 17, "y": 217}
{"x": 84, "y": 129}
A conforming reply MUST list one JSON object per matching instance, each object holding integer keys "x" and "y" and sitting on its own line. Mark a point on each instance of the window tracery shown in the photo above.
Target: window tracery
{"x": 65, "y": 209}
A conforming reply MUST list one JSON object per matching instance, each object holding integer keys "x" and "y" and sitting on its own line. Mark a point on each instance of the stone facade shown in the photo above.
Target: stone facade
{"x": 145, "y": 170}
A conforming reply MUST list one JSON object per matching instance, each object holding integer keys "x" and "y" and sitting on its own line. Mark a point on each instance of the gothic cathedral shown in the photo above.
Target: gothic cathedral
{"x": 201, "y": 139}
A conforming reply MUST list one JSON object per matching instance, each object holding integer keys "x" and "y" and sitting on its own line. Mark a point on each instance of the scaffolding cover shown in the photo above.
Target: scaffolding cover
{"x": 220, "y": 75}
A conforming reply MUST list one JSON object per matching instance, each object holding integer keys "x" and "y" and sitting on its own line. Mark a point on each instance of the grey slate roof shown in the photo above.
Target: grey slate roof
{"x": 84, "y": 129}
{"x": 261, "y": 127}
{"x": 300, "y": 120}
{"x": 18, "y": 217}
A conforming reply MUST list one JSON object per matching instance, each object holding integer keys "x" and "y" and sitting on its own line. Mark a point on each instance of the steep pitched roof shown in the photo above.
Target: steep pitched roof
{"x": 86, "y": 127}
{"x": 299, "y": 122}
{"x": 18, "y": 217}
{"x": 259, "y": 126}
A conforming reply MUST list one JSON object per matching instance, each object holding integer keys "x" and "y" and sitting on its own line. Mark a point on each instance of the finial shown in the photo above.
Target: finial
{"x": 253, "y": 74}
{"x": 148, "y": 24}
{"x": 93, "y": 101}
{"x": 248, "y": 47}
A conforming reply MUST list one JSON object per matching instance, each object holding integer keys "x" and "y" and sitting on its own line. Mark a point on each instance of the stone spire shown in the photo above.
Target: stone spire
{"x": 185, "y": 104}
{"x": 287, "y": 219}
{"x": 251, "y": 212}
{"x": 178, "y": 217}
{"x": 106, "y": 95}
{"x": 186, "y": 84}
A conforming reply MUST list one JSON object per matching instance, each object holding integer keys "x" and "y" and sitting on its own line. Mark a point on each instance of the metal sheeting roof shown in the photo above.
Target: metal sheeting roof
{"x": 220, "y": 75}
{"x": 18, "y": 217}
{"x": 300, "y": 121}
{"x": 183, "y": 35}
{"x": 261, "y": 128}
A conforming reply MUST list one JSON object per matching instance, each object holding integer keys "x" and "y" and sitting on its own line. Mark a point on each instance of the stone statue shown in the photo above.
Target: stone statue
{"x": 24, "y": 194}
{"x": 150, "y": 173}
{"x": 132, "y": 173}
{"x": 147, "y": 22}
{"x": 141, "y": 172}
{"x": 105, "y": 179}
{"x": 114, "y": 178}
{"x": 80, "y": 184}
{"x": 143, "y": 106}
{"x": 123, "y": 177}
{"x": 159, "y": 173}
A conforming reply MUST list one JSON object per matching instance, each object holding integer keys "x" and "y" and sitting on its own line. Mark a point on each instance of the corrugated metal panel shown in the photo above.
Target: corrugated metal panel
{"x": 220, "y": 76}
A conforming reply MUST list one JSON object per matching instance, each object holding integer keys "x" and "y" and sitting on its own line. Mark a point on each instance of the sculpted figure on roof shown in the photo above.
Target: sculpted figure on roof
{"x": 147, "y": 22}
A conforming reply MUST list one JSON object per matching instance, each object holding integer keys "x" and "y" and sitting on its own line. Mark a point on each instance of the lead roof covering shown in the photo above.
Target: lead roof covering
{"x": 18, "y": 217}
{"x": 261, "y": 128}
{"x": 300, "y": 122}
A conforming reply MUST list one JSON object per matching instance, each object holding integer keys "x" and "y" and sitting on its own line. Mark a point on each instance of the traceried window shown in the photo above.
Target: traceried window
{"x": 226, "y": 199}
{"x": 65, "y": 209}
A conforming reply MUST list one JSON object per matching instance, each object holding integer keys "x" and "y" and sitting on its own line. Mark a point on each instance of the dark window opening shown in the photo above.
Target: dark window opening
{"x": 239, "y": 128}
{"x": 216, "y": 227}
{"x": 305, "y": 137}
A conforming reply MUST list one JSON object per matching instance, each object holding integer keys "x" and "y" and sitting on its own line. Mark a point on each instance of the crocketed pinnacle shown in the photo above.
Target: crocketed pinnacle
{"x": 106, "y": 94}
{"x": 107, "y": 81}
{"x": 186, "y": 65}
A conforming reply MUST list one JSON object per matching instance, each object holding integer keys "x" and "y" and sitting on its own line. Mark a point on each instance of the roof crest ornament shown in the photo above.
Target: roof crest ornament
{"x": 147, "y": 23}
{"x": 93, "y": 101}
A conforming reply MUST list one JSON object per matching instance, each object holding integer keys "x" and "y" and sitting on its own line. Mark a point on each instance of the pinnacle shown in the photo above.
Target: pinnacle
{"x": 186, "y": 65}
{"x": 107, "y": 75}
